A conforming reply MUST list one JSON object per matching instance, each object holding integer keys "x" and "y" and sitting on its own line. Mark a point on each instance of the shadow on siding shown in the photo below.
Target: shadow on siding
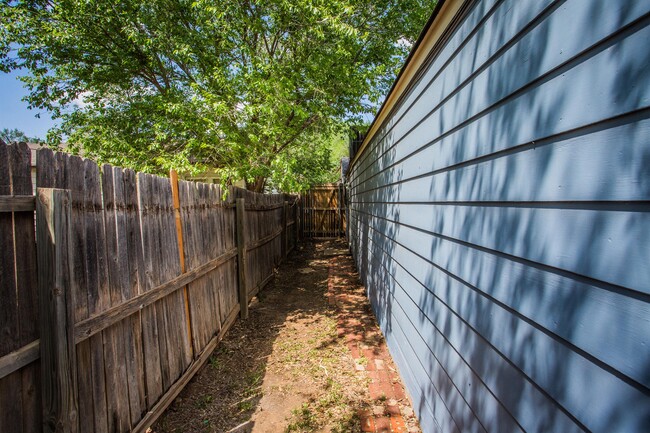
{"x": 513, "y": 326}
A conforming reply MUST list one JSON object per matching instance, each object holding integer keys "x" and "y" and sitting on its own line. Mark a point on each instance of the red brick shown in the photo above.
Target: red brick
{"x": 378, "y": 376}
{"x": 353, "y": 337}
{"x": 378, "y": 410}
{"x": 397, "y": 424}
{"x": 375, "y": 391}
{"x": 354, "y": 322}
{"x": 383, "y": 376}
{"x": 367, "y": 422}
{"x": 357, "y": 324}
{"x": 398, "y": 391}
{"x": 374, "y": 376}
{"x": 369, "y": 353}
{"x": 354, "y": 350}
{"x": 393, "y": 410}
{"x": 382, "y": 352}
{"x": 386, "y": 388}
{"x": 373, "y": 334}
{"x": 382, "y": 424}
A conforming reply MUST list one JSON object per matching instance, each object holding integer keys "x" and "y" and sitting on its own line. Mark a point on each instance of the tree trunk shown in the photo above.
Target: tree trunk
{"x": 257, "y": 185}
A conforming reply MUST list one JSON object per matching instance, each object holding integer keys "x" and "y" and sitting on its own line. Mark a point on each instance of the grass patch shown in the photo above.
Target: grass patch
{"x": 214, "y": 362}
{"x": 245, "y": 406}
{"x": 255, "y": 378}
{"x": 349, "y": 422}
{"x": 317, "y": 356}
{"x": 203, "y": 401}
{"x": 332, "y": 408}
{"x": 304, "y": 420}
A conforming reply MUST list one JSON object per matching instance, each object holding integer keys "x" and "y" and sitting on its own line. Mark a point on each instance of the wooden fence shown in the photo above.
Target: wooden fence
{"x": 323, "y": 212}
{"x": 119, "y": 290}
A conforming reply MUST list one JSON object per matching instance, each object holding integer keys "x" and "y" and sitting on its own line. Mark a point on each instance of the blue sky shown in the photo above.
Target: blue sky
{"x": 14, "y": 112}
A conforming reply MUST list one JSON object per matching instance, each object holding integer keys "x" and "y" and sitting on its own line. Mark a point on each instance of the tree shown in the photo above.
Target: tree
{"x": 237, "y": 85}
{"x": 16, "y": 135}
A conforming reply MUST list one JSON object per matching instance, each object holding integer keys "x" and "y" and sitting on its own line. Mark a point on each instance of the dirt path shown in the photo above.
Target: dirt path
{"x": 306, "y": 360}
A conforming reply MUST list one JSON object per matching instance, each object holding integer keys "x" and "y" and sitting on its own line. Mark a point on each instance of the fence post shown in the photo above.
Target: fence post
{"x": 176, "y": 201}
{"x": 58, "y": 351}
{"x": 296, "y": 206}
{"x": 299, "y": 216}
{"x": 285, "y": 231}
{"x": 341, "y": 210}
{"x": 241, "y": 257}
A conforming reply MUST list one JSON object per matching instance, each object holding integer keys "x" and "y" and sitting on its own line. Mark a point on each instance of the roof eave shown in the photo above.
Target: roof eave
{"x": 440, "y": 19}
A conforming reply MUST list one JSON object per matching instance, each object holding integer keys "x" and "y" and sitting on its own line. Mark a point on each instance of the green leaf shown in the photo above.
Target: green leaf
{"x": 256, "y": 90}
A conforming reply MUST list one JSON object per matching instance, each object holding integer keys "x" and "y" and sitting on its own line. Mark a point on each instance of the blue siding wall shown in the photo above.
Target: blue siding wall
{"x": 500, "y": 219}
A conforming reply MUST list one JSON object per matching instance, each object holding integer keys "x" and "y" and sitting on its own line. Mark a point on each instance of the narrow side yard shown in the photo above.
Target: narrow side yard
{"x": 310, "y": 358}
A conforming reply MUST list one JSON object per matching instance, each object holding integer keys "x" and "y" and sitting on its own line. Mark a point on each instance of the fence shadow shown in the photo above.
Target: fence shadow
{"x": 227, "y": 392}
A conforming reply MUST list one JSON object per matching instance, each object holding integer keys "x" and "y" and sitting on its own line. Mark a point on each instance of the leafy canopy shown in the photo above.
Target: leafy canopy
{"x": 15, "y": 135}
{"x": 245, "y": 86}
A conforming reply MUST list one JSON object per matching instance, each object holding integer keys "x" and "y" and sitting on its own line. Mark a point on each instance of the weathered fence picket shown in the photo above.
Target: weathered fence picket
{"x": 139, "y": 277}
{"x": 58, "y": 350}
{"x": 241, "y": 258}
{"x": 20, "y": 397}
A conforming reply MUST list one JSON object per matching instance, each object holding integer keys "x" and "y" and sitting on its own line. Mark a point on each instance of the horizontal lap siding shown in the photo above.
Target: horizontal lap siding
{"x": 500, "y": 220}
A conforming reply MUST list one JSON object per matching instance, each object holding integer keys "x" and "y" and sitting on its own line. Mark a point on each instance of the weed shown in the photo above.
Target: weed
{"x": 254, "y": 379}
{"x": 333, "y": 407}
{"x": 203, "y": 401}
{"x": 306, "y": 420}
{"x": 347, "y": 423}
{"x": 245, "y": 406}
{"x": 334, "y": 397}
{"x": 224, "y": 350}
{"x": 214, "y": 362}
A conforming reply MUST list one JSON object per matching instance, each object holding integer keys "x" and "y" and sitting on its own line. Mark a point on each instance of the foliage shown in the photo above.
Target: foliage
{"x": 239, "y": 85}
{"x": 308, "y": 165}
{"x": 16, "y": 135}
{"x": 339, "y": 145}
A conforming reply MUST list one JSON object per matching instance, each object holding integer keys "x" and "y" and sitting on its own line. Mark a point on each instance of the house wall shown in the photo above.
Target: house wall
{"x": 500, "y": 219}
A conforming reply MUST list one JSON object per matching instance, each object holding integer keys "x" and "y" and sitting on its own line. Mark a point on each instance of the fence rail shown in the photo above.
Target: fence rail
{"x": 133, "y": 282}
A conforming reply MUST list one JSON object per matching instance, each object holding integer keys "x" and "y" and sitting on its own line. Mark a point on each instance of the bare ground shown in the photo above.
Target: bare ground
{"x": 285, "y": 369}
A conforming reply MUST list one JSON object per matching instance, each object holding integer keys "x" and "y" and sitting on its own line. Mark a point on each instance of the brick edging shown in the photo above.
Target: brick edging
{"x": 368, "y": 349}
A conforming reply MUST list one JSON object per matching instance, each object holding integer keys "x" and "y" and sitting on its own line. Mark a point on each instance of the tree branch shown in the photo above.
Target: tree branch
{"x": 310, "y": 120}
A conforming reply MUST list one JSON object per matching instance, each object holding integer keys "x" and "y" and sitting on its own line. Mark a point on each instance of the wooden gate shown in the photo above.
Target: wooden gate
{"x": 323, "y": 212}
